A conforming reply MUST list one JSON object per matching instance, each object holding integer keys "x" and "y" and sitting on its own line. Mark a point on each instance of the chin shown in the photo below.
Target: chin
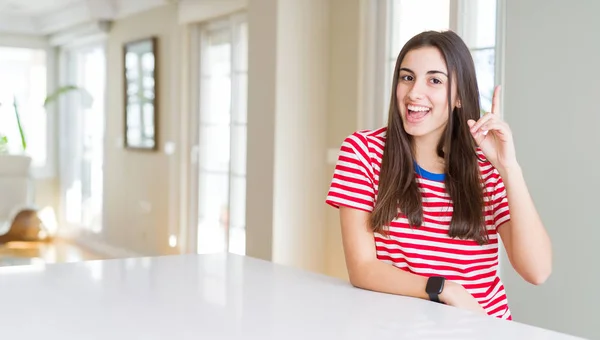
{"x": 422, "y": 128}
{"x": 416, "y": 131}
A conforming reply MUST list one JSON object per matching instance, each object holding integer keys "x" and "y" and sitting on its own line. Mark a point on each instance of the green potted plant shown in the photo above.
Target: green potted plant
{"x": 4, "y": 147}
{"x": 17, "y": 213}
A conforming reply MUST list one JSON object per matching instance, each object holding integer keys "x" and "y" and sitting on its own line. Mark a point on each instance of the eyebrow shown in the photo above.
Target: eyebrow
{"x": 428, "y": 72}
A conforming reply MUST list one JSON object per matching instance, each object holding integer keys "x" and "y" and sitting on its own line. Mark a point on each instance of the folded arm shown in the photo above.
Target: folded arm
{"x": 367, "y": 272}
{"x": 364, "y": 269}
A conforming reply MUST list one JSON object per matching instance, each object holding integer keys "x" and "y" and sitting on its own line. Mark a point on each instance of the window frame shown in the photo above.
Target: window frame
{"x": 196, "y": 43}
{"x": 375, "y": 40}
{"x": 49, "y": 169}
{"x": 66, "y": 68}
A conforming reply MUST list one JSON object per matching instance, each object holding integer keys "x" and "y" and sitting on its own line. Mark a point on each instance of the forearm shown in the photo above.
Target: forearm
{"x": 530, "y": 244}
{"x": 383, "y": 277}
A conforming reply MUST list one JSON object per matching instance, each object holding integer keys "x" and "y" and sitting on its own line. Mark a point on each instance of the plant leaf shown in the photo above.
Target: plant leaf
{"x": 56, "y": 94}
{"x": 21, "y": 132}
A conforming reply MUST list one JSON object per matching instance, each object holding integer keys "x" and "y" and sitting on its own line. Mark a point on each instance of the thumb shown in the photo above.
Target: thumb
{"x": 478, "y": 139}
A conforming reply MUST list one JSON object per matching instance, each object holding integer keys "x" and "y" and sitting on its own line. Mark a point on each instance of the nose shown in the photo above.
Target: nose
{"x": 416, "y": 92}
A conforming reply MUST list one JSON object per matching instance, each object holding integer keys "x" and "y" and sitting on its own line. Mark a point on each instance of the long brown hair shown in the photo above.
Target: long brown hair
{"x": 398, "y": 187}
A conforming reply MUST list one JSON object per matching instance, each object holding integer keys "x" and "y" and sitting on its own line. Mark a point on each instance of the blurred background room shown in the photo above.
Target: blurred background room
{"x": 158, "y": 127}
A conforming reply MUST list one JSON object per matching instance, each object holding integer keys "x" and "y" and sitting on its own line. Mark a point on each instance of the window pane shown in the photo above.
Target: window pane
{"x": 216, "y": 60}
{"x": 237, "y": 218}
{"x": 215, "y": 87}
{"x": 215, "y": 100}
{"x": 148, "y": 121}
{"x": 238, "y": 150}
{"x": 213, "y": 212}
{"x": 131, "y": 60}
{"x": 34, "y": 121}
{"x": 134, "y": 134}
{"x": 222, "y": 142}
{"x": 242, "y": 47}
{"x": 485, "y": 68}
{"x": 148, "y": 64}
{"x": 73, "y": 201}
{"x": 26, "y": 69}
{"x": 410, "y": 17}
{"x": 215, "y": 147}
{"x": 480, "y": 23}
{"x": 92, "y": 73}
{"x": 241, "y": 99}
{"x": 134, "y": 118}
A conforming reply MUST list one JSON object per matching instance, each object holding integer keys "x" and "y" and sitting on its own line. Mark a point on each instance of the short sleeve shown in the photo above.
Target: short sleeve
{"x": 499, "y": 201}
{"x": 353, "y": 180}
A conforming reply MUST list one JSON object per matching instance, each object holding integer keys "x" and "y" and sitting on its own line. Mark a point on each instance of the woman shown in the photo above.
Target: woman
{"x": 423, "y": 200}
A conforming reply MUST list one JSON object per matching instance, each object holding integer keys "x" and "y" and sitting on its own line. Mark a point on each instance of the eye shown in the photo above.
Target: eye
{"x": 436, "y": 81}
{"x": 406, "y": 77}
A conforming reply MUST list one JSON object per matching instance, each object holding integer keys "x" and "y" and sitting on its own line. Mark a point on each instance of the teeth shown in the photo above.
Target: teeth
{"x": 417, "y": 108}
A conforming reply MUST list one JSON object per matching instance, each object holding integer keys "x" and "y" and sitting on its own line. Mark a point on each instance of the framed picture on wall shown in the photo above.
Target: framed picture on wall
{"x": 141, "y": 107}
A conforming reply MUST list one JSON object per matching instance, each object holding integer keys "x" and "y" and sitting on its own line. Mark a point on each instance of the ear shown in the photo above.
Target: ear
{"x": 458, "y": 104}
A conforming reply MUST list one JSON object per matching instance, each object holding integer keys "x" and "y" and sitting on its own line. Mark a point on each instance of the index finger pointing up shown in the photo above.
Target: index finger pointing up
{"x": 496, "y": 100}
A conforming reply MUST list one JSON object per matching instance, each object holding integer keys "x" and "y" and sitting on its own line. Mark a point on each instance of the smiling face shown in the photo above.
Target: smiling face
{"x": 422, "y": 93}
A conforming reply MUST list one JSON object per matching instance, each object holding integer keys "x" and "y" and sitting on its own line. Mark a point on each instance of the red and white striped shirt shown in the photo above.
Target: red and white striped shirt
{"x": 426, "y": 250}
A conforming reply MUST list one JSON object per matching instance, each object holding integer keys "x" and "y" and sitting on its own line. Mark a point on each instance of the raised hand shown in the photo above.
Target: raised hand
{"x": 494, "y": 137}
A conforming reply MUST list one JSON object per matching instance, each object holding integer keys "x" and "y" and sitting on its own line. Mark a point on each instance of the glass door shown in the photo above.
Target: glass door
{"x": 221, "y": 168}
{"x": 82, "y": 176}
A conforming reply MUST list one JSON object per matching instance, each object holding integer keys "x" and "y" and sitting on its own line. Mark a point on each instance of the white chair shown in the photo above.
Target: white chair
{"x": 16, "y": 188}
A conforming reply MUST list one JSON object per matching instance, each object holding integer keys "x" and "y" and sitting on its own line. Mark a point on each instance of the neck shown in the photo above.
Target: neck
{"x": 425, "y": 149}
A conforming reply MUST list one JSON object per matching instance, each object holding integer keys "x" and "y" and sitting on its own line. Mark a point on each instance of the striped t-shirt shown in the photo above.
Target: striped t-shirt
{"x": 426, "y": 250}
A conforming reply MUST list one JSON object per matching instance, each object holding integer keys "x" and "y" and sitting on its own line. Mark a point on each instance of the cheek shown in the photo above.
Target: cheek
{"x": 401, "y": 92}
{"x": 441, "y": 98}
{"x": 441, "y": 107}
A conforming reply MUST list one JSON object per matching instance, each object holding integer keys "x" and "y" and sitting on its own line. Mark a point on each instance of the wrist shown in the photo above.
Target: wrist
{"x": 434, "y": 287}
{"x": 510, "y": 170}
{"x": 449, "y": 292}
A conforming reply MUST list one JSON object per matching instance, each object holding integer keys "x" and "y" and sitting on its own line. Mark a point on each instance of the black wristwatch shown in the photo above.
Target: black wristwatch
{"x": 435, "y": 286}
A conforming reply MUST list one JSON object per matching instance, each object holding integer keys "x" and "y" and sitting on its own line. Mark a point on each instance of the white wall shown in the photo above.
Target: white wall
{"x": 346, "y": 49}
{"x": 141, "y": 217}
{"x": 287, "y": 115}
{"x": 551, "y": 102}
{"x": 301, "y": 131}
{"x": 262, "y": 76}
{"x": 303, "y": 99}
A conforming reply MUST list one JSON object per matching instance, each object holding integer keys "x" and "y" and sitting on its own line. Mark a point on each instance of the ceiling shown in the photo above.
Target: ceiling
{"x": 32, "y": 7}
{"x": 47, "y": 17}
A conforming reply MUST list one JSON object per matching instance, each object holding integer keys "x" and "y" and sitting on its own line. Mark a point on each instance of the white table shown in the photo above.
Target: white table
{"x": 221, "y": 297}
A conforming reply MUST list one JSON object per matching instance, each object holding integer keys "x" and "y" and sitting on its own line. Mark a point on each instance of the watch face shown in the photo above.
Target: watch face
{"x": 435, "y": 285}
